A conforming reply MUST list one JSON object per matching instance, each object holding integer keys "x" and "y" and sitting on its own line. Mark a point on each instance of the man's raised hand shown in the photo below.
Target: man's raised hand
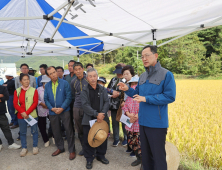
{"x": 123, "y": 86}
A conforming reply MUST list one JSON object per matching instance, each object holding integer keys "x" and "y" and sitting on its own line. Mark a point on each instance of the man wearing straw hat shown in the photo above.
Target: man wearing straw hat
{"x": 95, "y": 104}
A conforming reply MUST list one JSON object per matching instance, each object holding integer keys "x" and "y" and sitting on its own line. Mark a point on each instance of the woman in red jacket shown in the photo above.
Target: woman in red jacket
{"x": 25, "y": 103}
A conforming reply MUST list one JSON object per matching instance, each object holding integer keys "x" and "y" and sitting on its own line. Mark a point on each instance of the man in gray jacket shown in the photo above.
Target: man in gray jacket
{"x": 95, "y": 104}
{"x": 25, "y": 70}
{"x": 77, "y": 85}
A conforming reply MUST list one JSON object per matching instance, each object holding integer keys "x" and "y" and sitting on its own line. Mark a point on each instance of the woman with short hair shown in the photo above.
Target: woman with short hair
{"x": 25, "y": 103}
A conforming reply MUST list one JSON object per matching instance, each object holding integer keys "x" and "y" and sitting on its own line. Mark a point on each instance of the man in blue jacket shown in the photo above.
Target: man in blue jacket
{"x": 57, "y": 98}
{"x": 155, "y": 90}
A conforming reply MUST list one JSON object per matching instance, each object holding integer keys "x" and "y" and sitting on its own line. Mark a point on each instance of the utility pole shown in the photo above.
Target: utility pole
{"x": 137, "y": 61}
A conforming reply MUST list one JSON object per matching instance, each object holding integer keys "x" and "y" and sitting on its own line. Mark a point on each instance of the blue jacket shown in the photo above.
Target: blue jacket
{"x": 39, "y": 79}
{"x": 159, "y": 88}
{"x": 63, "y": 96}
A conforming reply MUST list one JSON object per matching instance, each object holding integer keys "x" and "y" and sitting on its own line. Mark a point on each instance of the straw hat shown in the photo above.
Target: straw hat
{"x": 172, "y": 156}
{"x": 98, "y": 134}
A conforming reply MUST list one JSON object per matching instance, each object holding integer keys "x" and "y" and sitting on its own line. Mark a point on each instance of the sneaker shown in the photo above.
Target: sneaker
{"x": 35, "y": 151}
{"x": 14, "y": 146}
{"x": 0, "y": 147}
{"x": 18, "y": 138}
{"x": 129, "y": 150}
{"x": 132, "y": 154}
{"x": 23, "y": 152}
{"x": 124, "y": 143}
{"x": 116, "y": 143}
{"x": 47, "y": 144}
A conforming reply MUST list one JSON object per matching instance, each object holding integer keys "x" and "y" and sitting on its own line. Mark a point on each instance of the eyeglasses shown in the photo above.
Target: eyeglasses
{"x": 24, "y": 68}
{"x": 146, "y": 56}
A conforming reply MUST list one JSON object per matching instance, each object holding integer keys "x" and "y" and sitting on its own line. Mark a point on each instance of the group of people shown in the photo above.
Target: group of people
{"x": 71, "y": 102}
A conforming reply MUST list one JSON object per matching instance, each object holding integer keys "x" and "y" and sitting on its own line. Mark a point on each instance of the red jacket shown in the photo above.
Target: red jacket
{"x": 21, "y": 99}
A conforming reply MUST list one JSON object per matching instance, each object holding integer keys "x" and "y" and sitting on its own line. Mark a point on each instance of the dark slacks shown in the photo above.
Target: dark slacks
{"x": 71, "y": 116}
{"x": 4, "y": 125}
{"x": 153, "y": 148}
{"x": 57, "y": 132}
{"x": 78, "y": 116}
{"x": 42, "y": 128}
{"x": 89, "y": 152}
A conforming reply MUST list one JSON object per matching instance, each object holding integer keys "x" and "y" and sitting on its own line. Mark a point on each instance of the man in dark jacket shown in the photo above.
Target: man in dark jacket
{"x": 4, "y": 96}
{"x": 57, "y": 98}
{"x": 95, "y": 104}
{"x": 77, "y": 85}
{"x": 155, "y": 90}
{"x": 10, "y": 84}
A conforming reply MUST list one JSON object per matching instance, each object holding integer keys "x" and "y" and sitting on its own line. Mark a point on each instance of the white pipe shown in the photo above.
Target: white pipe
{"x": 10, "y": 41}
{"x": 58, "y": 9}
{"x": 50, "y": 51}
{"x": 91, "y": 49}
{"x": 20, "y": 18}
{"x": 39, "y": 35}
{"x": 21, "y": 35}
{"x": 61, "y": 20}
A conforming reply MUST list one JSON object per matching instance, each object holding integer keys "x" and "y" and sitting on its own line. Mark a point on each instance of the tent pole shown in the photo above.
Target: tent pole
{"x": 92, "y": 48}
{"x": 58, "y": 9}
{"x": 21, "y": 35}
{"x": 50, "y": 51}
{"x": 10, "y": 41}
{"x": 129, "y": 42}
{"x": 61, "y": 20}
{"x": 27, "y": 21}
{"x": 154, "y": 36}
{"x": 93, "y": 29}
{"x": 20, "y": 18}
{"x": 39, "y": 36}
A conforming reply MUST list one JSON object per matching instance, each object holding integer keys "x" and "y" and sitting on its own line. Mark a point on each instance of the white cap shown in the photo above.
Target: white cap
{"x": 9, "y": 73}
{"x": 45, "y": 79}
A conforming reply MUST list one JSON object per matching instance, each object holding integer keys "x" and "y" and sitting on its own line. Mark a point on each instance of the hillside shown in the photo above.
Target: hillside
{"x": 35, "y": 62}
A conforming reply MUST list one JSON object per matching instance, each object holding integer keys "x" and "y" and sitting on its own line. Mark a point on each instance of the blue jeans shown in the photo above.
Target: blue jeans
{"x": 11, "y": 110}
{"x": 23, "y": 131}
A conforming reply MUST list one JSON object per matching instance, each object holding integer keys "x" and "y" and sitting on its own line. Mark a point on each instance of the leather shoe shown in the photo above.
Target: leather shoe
{"x": 104, "y": 160}
{"x": 72, "y": 156}
{"x": 89, "y": 165}
{"x": 57, "y": 152}
{"x": 14, "y": 126}
{"x": 11, "y": 124}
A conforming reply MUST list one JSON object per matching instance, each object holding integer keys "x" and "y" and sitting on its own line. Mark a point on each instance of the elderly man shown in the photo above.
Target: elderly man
{"x": 95, "y": 104}
{"x": 4, "y": 120}
{"x": 77, "y": 85}
{"x": 10, "y": 84}
{"x": 57, "y": 98}
{"x": 25, "y": 70}
{"x": 155, "y": 90}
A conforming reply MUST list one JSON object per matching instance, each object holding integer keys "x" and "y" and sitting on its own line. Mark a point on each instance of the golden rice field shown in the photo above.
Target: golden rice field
{"x": 195, "y": 121}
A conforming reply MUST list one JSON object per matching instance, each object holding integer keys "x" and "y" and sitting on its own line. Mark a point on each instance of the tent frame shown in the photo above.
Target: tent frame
{"x": 69, "y": 3}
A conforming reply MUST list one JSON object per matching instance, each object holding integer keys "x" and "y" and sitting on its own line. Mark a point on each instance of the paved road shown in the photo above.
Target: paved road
{"x": 10, "y": 159}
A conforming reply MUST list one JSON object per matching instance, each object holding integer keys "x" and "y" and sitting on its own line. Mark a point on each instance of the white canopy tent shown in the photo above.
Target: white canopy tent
{"x": 76, "y": 27}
